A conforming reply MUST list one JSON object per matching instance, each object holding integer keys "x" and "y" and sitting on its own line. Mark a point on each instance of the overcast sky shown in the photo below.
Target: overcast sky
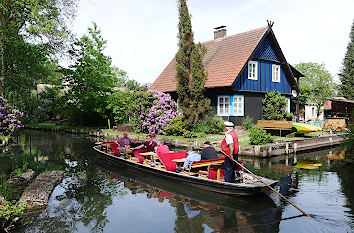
{"x": 142, "y": 34}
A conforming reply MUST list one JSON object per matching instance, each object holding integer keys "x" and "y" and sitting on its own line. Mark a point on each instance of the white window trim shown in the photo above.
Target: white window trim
{"x": 235, "y": 103}
{"x": 218, "y": 107}
{"x": 288, "y": 102}
{"x": 256, "y": 70}
{"x": 275, "y": 78}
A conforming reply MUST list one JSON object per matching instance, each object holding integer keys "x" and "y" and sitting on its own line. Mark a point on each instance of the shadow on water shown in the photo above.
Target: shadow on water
{"x": 99, "y": 197}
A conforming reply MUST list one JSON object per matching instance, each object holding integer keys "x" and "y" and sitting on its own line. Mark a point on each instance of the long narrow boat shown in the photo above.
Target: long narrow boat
{"x": 202, "y": 183}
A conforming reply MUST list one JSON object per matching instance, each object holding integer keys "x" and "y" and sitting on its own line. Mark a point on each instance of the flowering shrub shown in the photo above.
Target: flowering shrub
{"x": 9, "y": 118}
{"x": 155, "y": 117}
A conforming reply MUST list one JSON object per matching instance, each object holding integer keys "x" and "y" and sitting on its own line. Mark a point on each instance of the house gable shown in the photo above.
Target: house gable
{"x": 266, "y": 51}
{"x": 265, "y": 56}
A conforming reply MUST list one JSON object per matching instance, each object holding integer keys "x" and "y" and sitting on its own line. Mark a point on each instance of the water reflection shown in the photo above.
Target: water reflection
{"x": 207, "y": 212}
{"x": 99, "y": 197}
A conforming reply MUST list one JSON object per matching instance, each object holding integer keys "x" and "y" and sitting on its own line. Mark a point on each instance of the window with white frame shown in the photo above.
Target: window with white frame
{"x": 288, "y": 104}
{"x": 238, "y": 105}
{"x": 223, "y": 105}
{"x": 276, "y": 73}
{"x": 252, "y": 70}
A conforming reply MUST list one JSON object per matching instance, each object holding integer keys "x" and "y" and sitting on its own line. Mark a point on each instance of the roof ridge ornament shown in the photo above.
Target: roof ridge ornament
{"x": 270, "y": 23}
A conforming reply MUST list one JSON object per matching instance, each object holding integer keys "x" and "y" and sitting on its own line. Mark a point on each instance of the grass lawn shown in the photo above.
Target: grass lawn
{"x": 51, "y": 125}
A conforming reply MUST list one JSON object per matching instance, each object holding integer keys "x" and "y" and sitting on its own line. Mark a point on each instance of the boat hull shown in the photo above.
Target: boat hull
{"x": 195, "y": 182}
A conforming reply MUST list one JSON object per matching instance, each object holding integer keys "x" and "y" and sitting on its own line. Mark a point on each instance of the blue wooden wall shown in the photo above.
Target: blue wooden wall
{"x": 264, "y": 82}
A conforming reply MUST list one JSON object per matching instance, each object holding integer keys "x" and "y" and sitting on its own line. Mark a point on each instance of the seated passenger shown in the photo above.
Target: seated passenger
{"x": 161, "y": 148}
{"x": 153, "y": 137}
{"x": 209, "y": 152}
{"x": 149, "y": 145}
{"x": 123, "y": 142}
{"x": 192, "y": 157}
{"x": 134, "y": 143}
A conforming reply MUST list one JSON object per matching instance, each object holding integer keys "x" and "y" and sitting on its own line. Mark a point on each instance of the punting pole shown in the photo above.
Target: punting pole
{"x": 268, "y": 185}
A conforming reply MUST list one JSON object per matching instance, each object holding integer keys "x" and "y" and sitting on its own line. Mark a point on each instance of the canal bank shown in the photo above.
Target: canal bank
{"x": 281, "y": 147}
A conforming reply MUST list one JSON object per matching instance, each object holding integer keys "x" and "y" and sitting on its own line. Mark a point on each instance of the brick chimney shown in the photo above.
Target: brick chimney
{"x": 220, "y": 32}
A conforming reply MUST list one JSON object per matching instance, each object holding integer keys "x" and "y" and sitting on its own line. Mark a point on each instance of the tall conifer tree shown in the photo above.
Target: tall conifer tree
{"x": 347, "y": 73}
{"x": 191, "y": 75}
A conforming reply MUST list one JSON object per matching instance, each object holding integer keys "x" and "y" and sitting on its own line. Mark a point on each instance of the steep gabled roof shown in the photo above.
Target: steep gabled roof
{"x": 223, "y": 61}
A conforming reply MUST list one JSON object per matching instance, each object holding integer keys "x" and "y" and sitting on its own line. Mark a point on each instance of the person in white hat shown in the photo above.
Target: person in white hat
{"x": 229, "y": 146}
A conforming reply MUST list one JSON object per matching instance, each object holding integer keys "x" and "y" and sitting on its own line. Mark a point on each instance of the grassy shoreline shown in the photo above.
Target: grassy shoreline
{"x": 243, "y": 135}
{"x": 52, "y": 125}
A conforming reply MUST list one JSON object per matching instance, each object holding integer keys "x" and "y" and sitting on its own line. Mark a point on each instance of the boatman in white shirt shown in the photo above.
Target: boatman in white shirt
{"x": 230, "y": 148}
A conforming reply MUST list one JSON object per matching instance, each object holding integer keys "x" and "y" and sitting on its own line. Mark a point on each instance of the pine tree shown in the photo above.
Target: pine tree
{"x": 347, "y": 73}
{"x": 191, "y": 75}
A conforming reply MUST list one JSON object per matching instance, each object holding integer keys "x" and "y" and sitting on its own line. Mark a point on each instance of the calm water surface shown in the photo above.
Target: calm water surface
{"x": 96, "y": 197}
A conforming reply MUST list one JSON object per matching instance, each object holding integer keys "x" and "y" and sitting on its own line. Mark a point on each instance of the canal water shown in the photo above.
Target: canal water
{"x": 97, "y": 197}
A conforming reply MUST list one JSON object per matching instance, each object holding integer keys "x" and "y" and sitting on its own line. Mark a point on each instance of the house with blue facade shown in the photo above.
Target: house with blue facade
{"x": 241, "y": 68}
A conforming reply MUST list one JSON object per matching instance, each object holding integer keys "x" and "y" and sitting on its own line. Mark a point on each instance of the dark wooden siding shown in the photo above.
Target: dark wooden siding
{"x": 252, "y": 103}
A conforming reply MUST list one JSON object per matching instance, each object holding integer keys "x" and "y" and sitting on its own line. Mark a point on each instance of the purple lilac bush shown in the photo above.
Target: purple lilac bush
{"x": 156, "y": 118}
{"x": 9, "y": 118}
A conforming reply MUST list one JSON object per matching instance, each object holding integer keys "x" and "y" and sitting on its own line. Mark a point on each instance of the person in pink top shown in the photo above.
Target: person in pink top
{"x": 161, "y": 148}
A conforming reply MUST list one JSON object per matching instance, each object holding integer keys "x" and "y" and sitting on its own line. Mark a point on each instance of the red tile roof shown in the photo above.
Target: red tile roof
{"x": 224, "y": 60}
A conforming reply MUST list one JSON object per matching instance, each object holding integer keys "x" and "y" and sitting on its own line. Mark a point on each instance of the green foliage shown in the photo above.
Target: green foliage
{"x": 141, "y": 100}
{"x": 119, "y": 103}
{"x": 190, "y": 134}
{"x": 92, "y": 75}
{"x": 274, "y": 107}
{"x": 190, "y": 73}
{"x": 51, "y": 104}
{"x": 10, "y": 213}
{"x": 348, "y": 142}
{"x": 316, "y": 85}
{"x": 31, "y": 32}
{"x": 201, "y": 127}
{"x": 5, "y": 189}
{"x": 212, "y": 125}
{"x": 176, "y": 127}
{"x": 133, "y": 85}
{"x": 247, "y": 123}
{"x": 346, "y": 75}
{"x": 216, "y": 124}
{"x": 260, "y": 136}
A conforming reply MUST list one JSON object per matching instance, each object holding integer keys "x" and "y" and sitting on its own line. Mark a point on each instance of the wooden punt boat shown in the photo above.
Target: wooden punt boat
{"x": 203, "y": 183}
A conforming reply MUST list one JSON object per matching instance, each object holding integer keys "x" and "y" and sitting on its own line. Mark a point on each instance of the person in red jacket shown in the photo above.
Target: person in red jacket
{"x": 229, "y": 145}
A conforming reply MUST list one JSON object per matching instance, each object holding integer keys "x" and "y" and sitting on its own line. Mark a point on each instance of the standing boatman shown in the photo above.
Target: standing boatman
{"x": 229, "y": 146}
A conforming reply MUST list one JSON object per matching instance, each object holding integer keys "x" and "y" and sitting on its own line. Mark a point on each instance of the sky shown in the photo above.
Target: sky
{"x": 142, "y": 34}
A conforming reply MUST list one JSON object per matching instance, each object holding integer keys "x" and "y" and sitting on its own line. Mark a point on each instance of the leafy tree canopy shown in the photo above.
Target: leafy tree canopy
{"x": 92, "y": 75}
{"x": 317, "y": 84}
{"x": 31, "y": 31}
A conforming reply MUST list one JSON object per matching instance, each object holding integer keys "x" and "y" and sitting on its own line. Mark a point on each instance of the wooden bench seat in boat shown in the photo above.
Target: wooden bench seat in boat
{"x": 110, "y": 146}
{"x": 205, "y": 163}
